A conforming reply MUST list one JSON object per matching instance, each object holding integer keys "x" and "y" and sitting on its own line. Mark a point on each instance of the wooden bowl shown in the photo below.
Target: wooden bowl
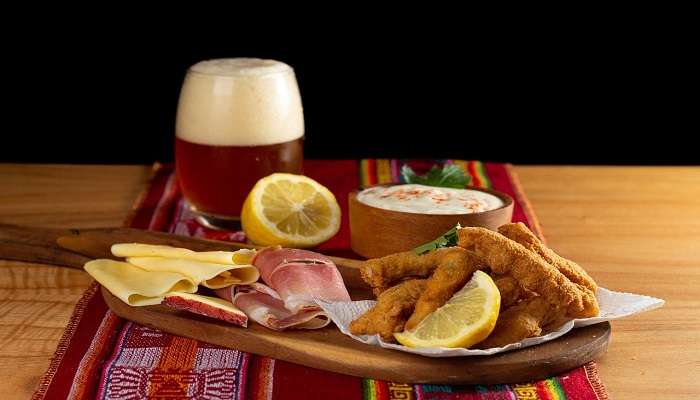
{"x": 375, "y": 232}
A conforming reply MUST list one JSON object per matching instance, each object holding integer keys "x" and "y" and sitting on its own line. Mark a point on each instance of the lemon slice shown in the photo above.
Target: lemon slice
{"x": 465, "y": 320}
{"x": 290, "y": 210}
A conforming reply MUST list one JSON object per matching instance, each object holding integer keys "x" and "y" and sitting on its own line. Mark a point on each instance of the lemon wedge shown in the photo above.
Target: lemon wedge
{"x": 290, "y": 210}
{"x": 465, "y": 320}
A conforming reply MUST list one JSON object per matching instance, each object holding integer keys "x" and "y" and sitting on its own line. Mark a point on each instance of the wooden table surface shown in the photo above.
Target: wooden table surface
{"x": 635, "y": 229}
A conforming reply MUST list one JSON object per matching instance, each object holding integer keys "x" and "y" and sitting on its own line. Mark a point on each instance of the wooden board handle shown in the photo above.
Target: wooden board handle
{"x": 74, "y": 247}
{"x": 38, "y": 245}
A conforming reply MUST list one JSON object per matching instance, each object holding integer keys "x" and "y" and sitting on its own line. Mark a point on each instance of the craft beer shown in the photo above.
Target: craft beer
{"x": 238, "y": 120}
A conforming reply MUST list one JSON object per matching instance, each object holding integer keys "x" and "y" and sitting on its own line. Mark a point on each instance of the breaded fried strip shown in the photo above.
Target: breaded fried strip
{"x": 521, "y": 234}
{"x": 505, "y": 256}
{"x": 393, "y": 308}
{"x": 586, "y": 285}
{"x": 522, "y": 321}
{"x": 455, "y": 268}
{"x": 590, "y": 304}
{"x": 509, "y": 289}
{"x": 380, "y": 273}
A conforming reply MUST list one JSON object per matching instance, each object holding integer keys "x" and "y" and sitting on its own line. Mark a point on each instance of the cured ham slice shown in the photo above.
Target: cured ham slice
{"x": 264, "y": 306}
{"x": 296, "y": 280}
{"x": 300, "y": 277}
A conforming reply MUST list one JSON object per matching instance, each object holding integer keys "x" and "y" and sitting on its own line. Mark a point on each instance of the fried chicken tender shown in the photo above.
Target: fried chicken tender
{"x": 521, "y": 234}
{"x": 586, "y": 285}
{"x": 510, "y": 290}
{"x": 590, "y": 304}
{"x": 505, "y": 256}
{"x": 522, "y": 321}
{"x": 539, "y": 289}
{"x": 455, "y": 268}
{"x": 555, "y": 324}
{"x": 380, "y": 273}
{"x": 393, "y": 308}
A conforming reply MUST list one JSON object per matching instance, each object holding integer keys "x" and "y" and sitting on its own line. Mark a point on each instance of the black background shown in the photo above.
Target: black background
{"x": 593, "y": 96}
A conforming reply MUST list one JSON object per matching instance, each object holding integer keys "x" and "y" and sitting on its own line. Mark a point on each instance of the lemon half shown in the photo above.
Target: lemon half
{"x": 290, "y": 210}
{"x": 465, "y": 320}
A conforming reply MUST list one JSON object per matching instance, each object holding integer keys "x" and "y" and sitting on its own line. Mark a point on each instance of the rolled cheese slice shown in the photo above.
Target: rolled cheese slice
{"x": 207, "y": 274}
{"x": 135, "y": 286}
{"x": 151, "y": 250}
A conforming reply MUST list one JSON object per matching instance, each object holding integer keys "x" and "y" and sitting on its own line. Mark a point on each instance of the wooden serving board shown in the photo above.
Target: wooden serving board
{"x": 330, "y": 350}
{"x": 325, "y": 348}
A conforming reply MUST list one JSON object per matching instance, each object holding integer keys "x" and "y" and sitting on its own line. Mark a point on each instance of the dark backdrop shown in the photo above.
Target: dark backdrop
{"x": 586, "y": 97}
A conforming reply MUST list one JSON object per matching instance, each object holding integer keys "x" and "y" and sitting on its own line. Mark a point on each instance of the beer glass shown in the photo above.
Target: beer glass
{"x": 238, "y": 120}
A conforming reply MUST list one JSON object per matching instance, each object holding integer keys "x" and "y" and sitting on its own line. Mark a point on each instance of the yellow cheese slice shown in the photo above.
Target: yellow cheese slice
{"x": 150, "y": 250}
{"x": 211, "y": 275}
{"x": 135, "y": 286}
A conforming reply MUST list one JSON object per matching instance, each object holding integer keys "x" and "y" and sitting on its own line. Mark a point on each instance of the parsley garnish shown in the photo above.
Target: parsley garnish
{"x": 450, "y": 176}
{"x": 448, "y": 239}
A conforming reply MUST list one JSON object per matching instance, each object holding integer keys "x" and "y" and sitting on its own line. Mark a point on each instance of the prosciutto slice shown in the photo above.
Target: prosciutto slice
{"x": 300, "y": 277}
{"x": 263, "y": 305}
{"x": 295, "y": 280}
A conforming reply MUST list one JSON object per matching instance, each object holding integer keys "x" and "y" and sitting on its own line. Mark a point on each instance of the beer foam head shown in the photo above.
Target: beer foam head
{"x": 240, "y": 67}
{"x": 240, "y": 102}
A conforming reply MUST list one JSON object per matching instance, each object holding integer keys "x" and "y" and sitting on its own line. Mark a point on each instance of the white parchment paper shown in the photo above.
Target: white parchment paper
{"x": 613, "y": 305}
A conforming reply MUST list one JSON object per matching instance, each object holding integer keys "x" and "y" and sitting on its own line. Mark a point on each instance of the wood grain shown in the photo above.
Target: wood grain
{"x": 62, "y": 195}
{"x": 635, "y": 229}
{"x": 36, "y": 301}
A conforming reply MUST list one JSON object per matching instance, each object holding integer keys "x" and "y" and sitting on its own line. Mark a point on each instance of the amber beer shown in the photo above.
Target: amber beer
{"x": 217, "y": 179}
{"x": 238, "y": 120}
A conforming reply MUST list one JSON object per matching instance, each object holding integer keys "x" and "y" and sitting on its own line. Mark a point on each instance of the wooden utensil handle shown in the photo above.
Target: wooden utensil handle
{"x": 74, "y": 247}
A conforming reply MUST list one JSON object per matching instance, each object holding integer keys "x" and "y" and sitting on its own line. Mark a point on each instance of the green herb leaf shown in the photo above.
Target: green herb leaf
{"x": 451, "y": 176}
{"x": 448, "y": 239}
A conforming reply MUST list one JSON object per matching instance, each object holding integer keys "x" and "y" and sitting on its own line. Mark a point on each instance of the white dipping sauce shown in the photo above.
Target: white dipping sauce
{"x": 421, "y": 199}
